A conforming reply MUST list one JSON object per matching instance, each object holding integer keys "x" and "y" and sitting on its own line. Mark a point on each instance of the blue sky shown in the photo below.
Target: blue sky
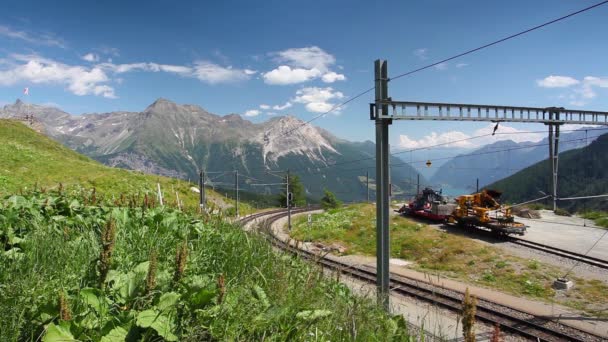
{"x": 267, "y": 58}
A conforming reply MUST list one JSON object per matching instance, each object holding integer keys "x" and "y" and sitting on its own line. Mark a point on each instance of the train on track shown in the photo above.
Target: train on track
{"x": 481, "y": 210}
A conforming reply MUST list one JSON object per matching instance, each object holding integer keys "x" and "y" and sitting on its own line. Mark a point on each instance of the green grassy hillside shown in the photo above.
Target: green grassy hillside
{"x": 582, "y": 172}
{"x": 30, "y": 159}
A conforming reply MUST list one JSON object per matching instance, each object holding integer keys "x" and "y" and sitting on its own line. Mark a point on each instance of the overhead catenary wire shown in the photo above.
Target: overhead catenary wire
{"x": 442, "y": 144}
{"x": 468, "y": 52}
{"x": 515, "y": 35}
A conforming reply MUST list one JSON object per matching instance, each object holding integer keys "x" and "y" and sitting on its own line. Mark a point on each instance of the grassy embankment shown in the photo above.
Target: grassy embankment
{"x": 32, "y": 160}
{"x": 105, "y": 265}
{"x": 73, "y": 268}
{"x": 451, "y": 256}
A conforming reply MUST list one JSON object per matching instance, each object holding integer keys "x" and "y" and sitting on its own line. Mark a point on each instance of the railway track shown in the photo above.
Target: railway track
{"x": 597, "y": 262}
{"x": 510, "y": 320}
{"x": 578, "y": 257}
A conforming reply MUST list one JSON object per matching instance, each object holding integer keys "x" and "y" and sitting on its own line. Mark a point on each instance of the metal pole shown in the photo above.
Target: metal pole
{"x": 288, "y": 203}
{"x": 552, "y": 157}
{"x": 555, "y": 163}
{"x": 477, "y": 187}
{"x": 367, "y": 184}
{"x": 382, "y": 187}
{"x": 236, "y": 189}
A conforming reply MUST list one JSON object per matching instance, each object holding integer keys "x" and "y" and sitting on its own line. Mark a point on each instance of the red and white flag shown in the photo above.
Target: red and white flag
{"x": 26, "y": 91}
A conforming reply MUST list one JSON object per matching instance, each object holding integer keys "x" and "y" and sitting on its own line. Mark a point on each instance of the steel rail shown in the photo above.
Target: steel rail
{"x": 597, "y": 262}
{"x": 530, "y": 328}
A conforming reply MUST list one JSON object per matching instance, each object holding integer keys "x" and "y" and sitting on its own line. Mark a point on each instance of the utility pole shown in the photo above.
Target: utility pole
{"x": 477, "y": 187}
{"x": 288, "y": 197}
{"x": 367, "y": 184}
{"x": 201, "y": 188}
{"x": 236, "y": 190}
{"x": 554, "y": 150}
{"x": 382, "y": 184}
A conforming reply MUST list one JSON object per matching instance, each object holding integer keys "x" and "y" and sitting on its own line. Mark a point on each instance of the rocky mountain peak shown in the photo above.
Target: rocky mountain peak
{"x": 162, "y": 104}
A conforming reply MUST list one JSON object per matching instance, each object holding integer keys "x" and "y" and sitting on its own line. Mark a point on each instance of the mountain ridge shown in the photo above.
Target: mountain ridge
{"x": 179, "y": 140}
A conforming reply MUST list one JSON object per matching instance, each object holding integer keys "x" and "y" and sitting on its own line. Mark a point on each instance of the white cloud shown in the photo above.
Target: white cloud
{"x": 250, "y": 72}
{"x": 202, "y": 70}
{"x": 332, "y": 77}
{"x": 176, "y": 69}
{"x": 96, "y": 79}
{"x": 557, "y": 82}
{"x": 596, "y": 81}
{"x": 317, "y": 100}
{"x": 299, "y": 65}
{"x": 580, "y": 91}
{"x": 311, "y": 57}
{"x": 462, "y": 65}
{"x": 283, "y": 107}
{"x": 455, "y": 139}
{"x": 264, "y": 106}
{"x": 38, "y": 39}
{"x": 252, "y": 112}
{"x": 271, "y": 113}
{"x": 441, "y": 66}
{"x": 91, "y": 57}
{"x": 78, "y": 79}
{"x": 421, "y": 53}
{"x": 213, "y": 73}
{"x": 286, "y": 75}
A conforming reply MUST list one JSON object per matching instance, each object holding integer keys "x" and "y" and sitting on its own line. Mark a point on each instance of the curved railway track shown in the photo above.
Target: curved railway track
{"x": 510, "y": 320}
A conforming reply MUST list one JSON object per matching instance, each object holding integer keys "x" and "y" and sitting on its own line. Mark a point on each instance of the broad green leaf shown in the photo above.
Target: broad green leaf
{"x": 58, "y": 333}
{"x": 202, "y": 298}
{"x": 164, "y": 327}
{"x": 142, "y": 268}
{"x": 146, "y": 318}
{"x": 91, "y": 297}
{"x": 160, "y": 323}
{"x": 116, "y": 334}
{"x": 167, "y": 301}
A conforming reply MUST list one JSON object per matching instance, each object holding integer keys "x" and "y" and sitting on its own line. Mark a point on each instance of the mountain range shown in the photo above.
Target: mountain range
{"x": 501, "y": 159}
{"x": 179, "y": 140}
{"x": 581, "y": 172}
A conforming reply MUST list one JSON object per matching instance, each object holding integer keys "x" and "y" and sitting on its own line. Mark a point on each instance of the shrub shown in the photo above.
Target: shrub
{"x": 329, "y": 200}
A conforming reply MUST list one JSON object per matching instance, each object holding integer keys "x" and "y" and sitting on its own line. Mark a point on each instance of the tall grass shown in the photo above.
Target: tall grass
{"x": 232, "y": 284}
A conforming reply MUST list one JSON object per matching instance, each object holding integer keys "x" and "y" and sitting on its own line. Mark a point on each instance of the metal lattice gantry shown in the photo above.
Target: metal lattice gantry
{"x": 406, "y": 110}
{"x": 384, "y": 110}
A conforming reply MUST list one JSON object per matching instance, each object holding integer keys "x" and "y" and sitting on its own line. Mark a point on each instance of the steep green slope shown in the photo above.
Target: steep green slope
{"x": 582, "y": 172}
{"x": 29, "y": 159}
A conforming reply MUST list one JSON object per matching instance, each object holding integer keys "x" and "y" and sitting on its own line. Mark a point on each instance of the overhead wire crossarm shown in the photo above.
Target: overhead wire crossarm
{"x": 408, "y": 110}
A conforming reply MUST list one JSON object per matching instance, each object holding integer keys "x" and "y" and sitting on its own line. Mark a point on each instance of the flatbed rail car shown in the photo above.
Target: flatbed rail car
{"x": 483, "y": 211}
{"x": 430, "y": 205}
